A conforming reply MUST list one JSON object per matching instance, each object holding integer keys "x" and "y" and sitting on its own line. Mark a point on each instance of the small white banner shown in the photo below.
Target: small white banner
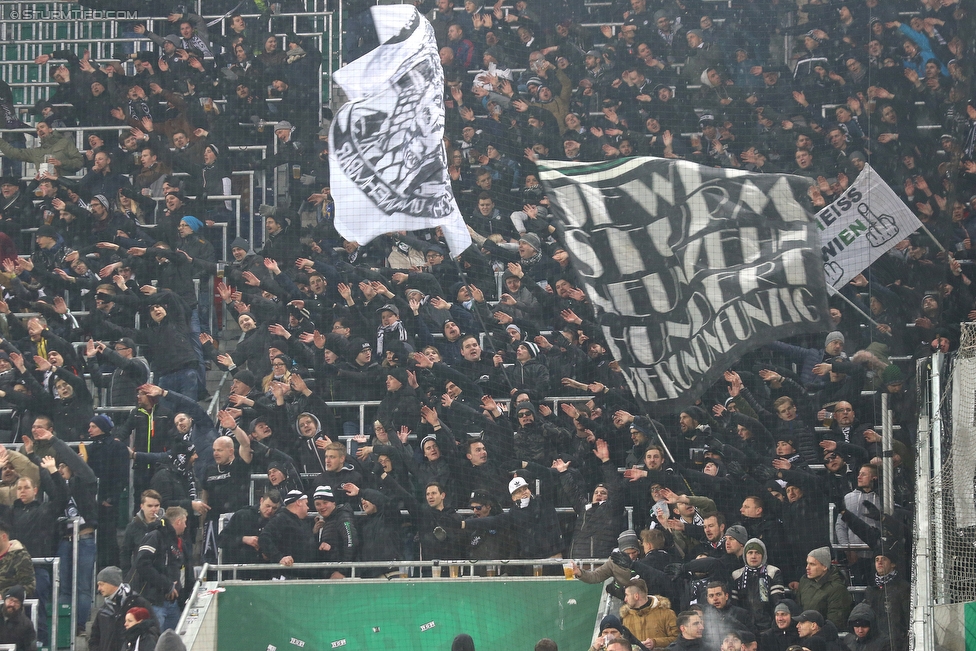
{"x": 860, "y": 226}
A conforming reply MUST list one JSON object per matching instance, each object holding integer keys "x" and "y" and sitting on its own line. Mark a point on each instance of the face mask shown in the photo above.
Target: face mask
{"x": 524, "y": 502}
{"x": 468, "y": 304}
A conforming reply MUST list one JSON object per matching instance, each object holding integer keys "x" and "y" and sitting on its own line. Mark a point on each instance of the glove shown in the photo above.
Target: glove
{"x": 307, "y": 179}
{"x": 615, "y": 590}
{"x": 734, "y": 469}
{"x": 871, "y": 510}
{"x": 329, "y": 370}
{"x": 266, "y": 211}
{"x": 674, "y": 570}
{"x": 621, "y": 559}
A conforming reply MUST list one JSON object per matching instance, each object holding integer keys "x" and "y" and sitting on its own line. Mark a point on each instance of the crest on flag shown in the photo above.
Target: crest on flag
{"x": 689, "y": 267}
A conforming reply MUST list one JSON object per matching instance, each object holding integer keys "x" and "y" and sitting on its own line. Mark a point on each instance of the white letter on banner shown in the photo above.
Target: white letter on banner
{"x": 659, "y": 231}
{"x": 642, "y": 195}
{"x": 793, "y": 264}
{"x": 664, "y": 296}
{"x": 782, "y": 197}
{"x": 752, "y": 197}
{"x": 626, "y": 255}
{"x": 587, "y": 261}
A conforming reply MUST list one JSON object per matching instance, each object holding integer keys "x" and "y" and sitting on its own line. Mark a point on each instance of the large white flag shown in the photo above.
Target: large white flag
{"x": 863, "y": 224}
{"x": 386, "y": 149}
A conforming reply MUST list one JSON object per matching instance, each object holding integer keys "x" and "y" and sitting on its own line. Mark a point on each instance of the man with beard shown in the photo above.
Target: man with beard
{"x": 15, "y": 628}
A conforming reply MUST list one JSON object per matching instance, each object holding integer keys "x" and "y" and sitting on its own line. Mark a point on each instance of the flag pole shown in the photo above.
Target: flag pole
{"x": 932, "y": 237}
{"x": 854, "y": 305}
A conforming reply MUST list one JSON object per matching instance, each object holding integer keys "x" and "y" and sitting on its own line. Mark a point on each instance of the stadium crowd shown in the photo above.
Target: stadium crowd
{"x": 730, "y": 542}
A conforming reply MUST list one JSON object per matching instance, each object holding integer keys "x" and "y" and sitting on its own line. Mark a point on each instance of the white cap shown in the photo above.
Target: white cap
{"x": 516, "y": 484}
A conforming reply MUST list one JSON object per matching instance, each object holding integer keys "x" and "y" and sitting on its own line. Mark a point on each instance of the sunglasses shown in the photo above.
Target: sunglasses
{"x": 476, "y": 508}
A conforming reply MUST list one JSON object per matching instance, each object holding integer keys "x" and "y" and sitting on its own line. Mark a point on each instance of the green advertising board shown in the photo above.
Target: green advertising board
{"x": 406, "y": 615}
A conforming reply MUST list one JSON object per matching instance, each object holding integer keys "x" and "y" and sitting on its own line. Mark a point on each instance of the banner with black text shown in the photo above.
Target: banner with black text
{"x": 689, "y": 267}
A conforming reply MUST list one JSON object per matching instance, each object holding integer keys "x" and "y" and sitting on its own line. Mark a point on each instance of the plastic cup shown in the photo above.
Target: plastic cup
{"x": 454, "y": 569}
{"x": 492, "y": 570}
{"x": 536, "y": 570}
{"x": 568, "y": 571}
{"x": 435, "y": 571}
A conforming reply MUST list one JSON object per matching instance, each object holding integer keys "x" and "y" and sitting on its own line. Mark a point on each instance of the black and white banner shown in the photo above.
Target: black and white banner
{"x": 860, "y": 226}
{"x": 386, "y": 144}
{"x": 690, "y": 266}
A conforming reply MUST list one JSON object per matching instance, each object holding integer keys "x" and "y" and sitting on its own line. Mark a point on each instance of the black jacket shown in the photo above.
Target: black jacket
{"x": 380, "y": 532}
{"x": 245, "y": 522}
{"x": 35, "y": 524}
{"x": 345, "y": 475}
{"x": 161, "y": 563}
{"x": 135, "y": 531}
{"x": 17, "y": 630}
{"x": 109, "y": 460}
{"x": 170, "y": 341}
{"x": 536, "y": 528}
{"x": 82, "y": 486}
{"x": 287, "y": 535}
{"x": 341, "y": 535}
{"x": 597, "y": 525}
{"x": 142, "y": 636}
{"x": 109, "y": 625}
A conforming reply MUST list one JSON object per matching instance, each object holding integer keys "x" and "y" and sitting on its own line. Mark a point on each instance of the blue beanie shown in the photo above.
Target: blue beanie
{"x": 194, "y": 223}
{"x": 103, "y": 422}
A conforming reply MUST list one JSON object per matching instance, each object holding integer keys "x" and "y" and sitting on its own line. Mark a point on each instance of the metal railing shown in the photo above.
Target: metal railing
{"x": 55, "y": 564}
{"x": 457, "y": 569}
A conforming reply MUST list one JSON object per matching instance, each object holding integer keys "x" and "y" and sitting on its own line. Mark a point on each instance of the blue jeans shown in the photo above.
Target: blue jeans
{"x": 13, "y": 167}
{"x": 168, "y": 615}
{"x": 42, "y": 578}
{"x": 184, "y": 381}
{"x": 86, "y": 573}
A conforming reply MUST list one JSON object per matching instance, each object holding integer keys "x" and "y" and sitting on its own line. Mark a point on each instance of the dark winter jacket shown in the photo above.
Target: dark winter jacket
{"x": 35, "y": 524}
{"x": 245, "y": 522}
{"x": 597, "y": 525}
{"x": 536, "y": 528}
{"x": 142, "y": 636}
{"x": 135, "y": 531}
{"x": 17, "y": 630}
{"x": 286, "y": 535}
{"x": 827, "y": 595}
{"x": 380, "y": 532}
{"x": 890, "y": 604}
{"x": 341, "y": 535}
{"x": 108, "y": 629}
{"x": 161, "y": 564}
{"x": 876, "y": 639}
